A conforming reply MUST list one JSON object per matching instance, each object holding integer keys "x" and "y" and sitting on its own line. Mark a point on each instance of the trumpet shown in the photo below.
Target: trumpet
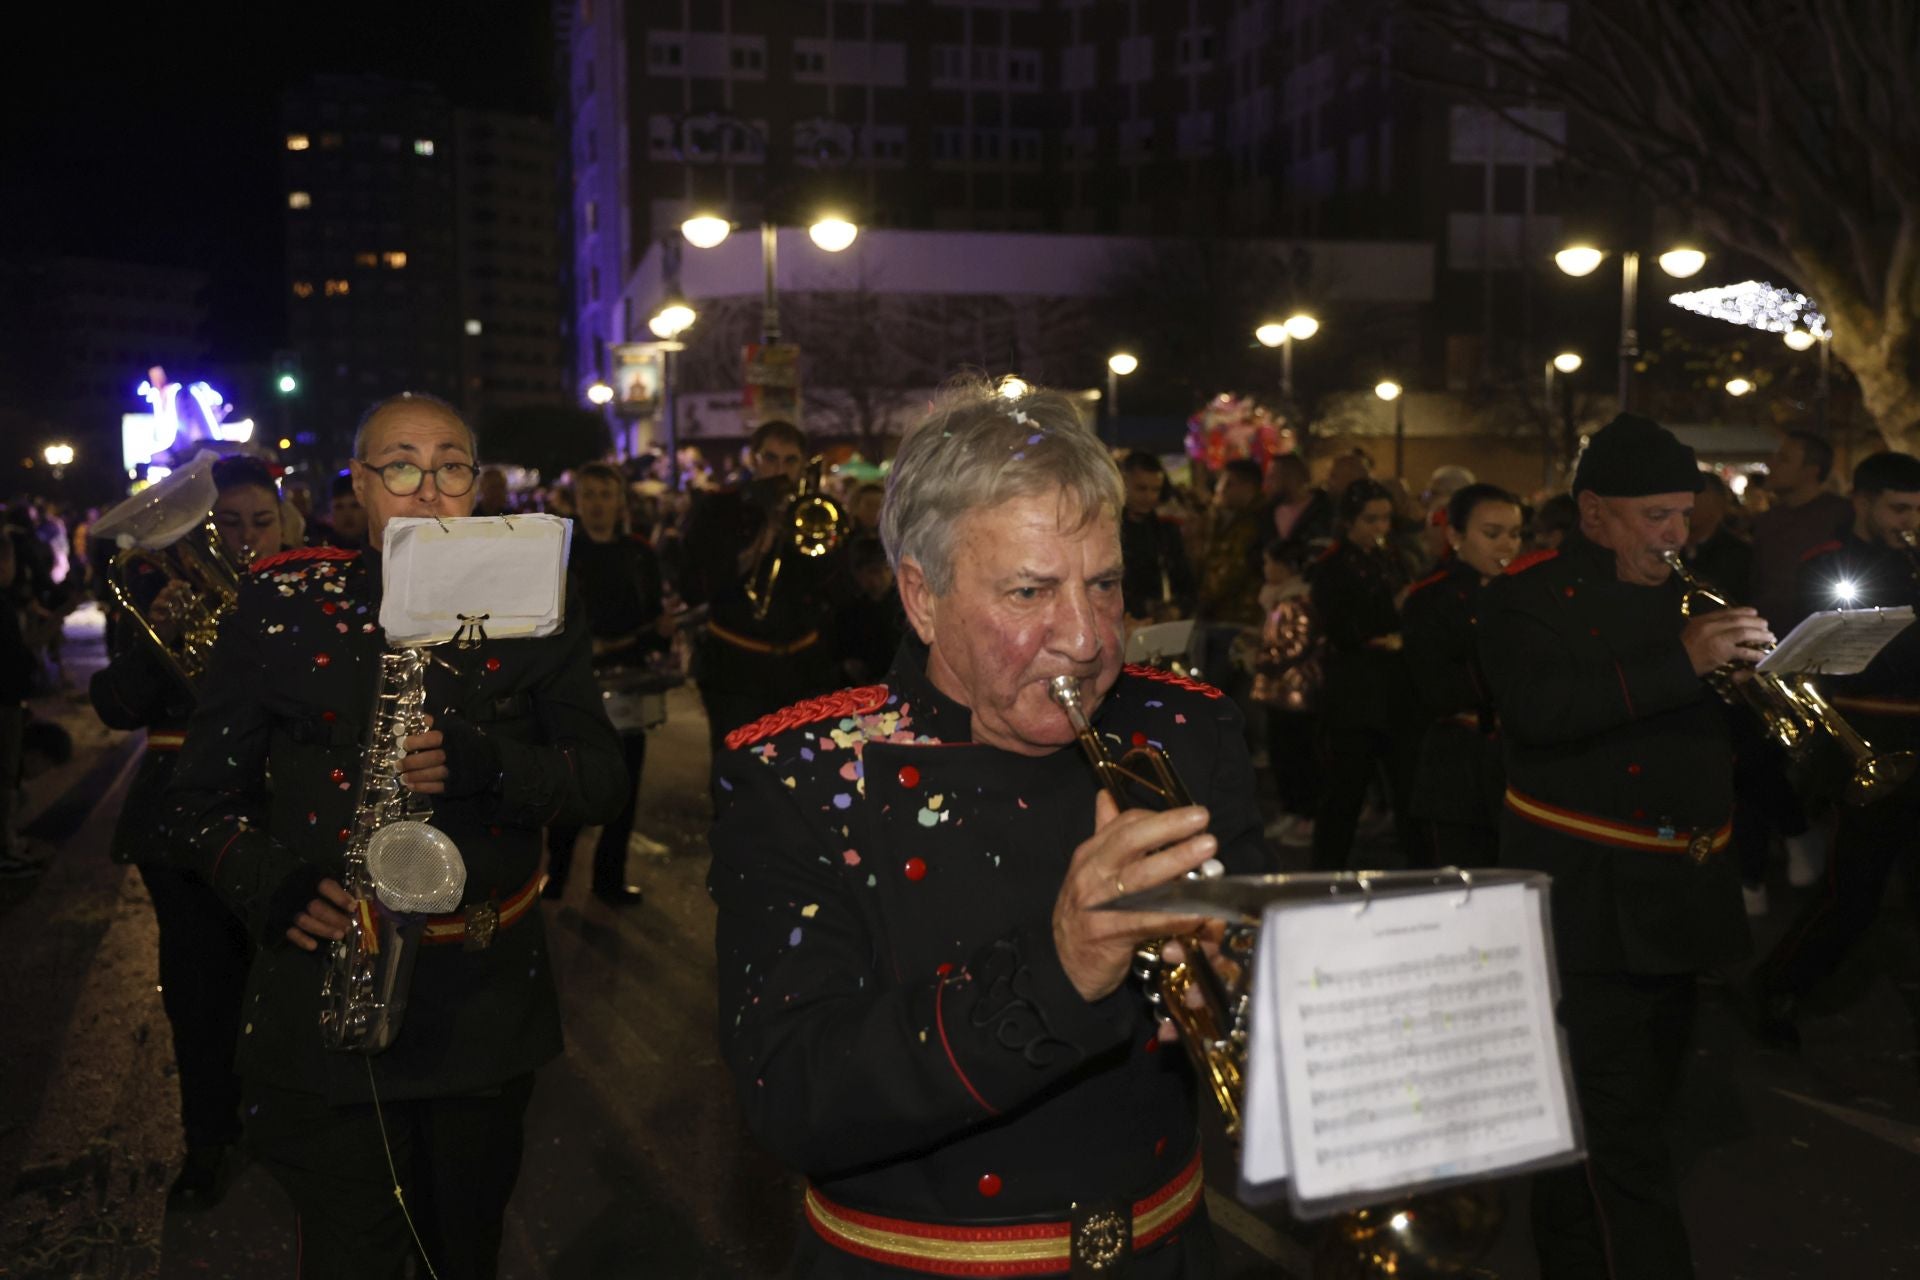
{"x": 810, "y": 526}
{"x": 1209, "y": 1012}
{"x": 169, "y": 526}
{"x": 1793, "y": 710}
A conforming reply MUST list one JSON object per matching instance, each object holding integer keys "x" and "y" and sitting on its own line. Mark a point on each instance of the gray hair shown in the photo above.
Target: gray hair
{"x": 978, "y": 448}
{"x": 423, "y": 400}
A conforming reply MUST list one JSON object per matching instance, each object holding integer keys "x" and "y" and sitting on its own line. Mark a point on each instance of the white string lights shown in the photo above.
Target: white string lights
{"x": 1757, "y": 305}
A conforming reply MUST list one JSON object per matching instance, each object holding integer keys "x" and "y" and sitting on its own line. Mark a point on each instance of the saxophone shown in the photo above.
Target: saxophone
{"x": 398, "y": 870}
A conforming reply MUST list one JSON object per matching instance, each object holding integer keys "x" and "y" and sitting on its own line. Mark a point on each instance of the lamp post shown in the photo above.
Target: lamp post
{"x": 1566, "y": 364}
{"x": 1297, "y": 327}
{"x": 674, "y": 318}
{"x": 1583, "y": 259}
{"x": 1119, "y": 365}
{"x": 1393, "y": 393}
{"x": 1800, "y": 340}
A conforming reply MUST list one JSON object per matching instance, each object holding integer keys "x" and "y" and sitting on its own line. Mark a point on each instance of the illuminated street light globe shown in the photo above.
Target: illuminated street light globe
{"x": 1012, "y": 388}
{"x": 1738, "y": 387}
{"x": 1122, "y": 363}
{"x": 1682, "y": 262}
{"x": 1271, "y": 335}
{"x": 58, "y": 455}
{"x": 1301, "y": 326}
{"x": 1798, "y": 339}
{"x": 1387, "y": 389}
{"x": 705, "y": 231}
{"x": 833, "y": 234}
{"x": 599, "y": 393}
{"x": 1578, "y": 259}
{"x": 288, "y": 384}
{"x": 672, "y": 320}
{"x": 1567, "y": 362}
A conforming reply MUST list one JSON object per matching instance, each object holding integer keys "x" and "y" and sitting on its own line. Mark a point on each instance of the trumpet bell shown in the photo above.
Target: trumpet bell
{"x": 1443, "y": 1234}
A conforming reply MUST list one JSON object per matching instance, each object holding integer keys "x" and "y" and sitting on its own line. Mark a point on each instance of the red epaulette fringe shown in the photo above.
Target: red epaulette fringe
{"x": 1530, "y": 559}
{"x": 1168, "y": 677}
{"x": 300, "y": 554}
{"x": 847, "y": 702}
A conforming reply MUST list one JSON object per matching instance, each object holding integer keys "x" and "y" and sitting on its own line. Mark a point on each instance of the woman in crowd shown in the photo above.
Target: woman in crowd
{"x": 1459, "y": 779}
{"x": 1368, "y": 712}
{"x": 204, "y": 951}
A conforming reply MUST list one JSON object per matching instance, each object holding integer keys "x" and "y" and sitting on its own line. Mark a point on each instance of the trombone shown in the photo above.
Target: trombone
{"x": 810, "y": 525}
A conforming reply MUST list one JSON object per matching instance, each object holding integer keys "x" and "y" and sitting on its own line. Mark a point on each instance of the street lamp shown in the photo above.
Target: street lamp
{"x": 1297, "y": 327}
{"x": 673, "y": 318}
{"x": 1119, "y": 365}
{"x": 1737, "y": 387}
{"x": 1800, "y": 340}
{"x": 831, "y": 233}
{"x": 59, "y": 457}
{"x": 1680, "y": 262}
{"x": 288, "y": 384}
{"x": 1566, "y": 364}
{"x": 1390, "y": 391}
{"x": 705, "y": 231}
{"x": 599, "y": 394}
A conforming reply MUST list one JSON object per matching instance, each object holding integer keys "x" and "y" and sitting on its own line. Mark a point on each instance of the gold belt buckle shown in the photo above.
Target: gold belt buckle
{"x": 482, "y": 921}
{"x": 1700, "y": 848}
{"x": 1102, "y": 1240}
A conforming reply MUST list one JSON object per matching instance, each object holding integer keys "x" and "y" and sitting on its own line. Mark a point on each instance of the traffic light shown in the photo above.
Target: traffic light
{"x": 286, "y": 372}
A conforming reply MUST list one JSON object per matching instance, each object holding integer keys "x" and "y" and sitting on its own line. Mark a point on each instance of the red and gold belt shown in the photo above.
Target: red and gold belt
{"x": 474, "y": 925}
{"x": 748, "y": 643}
{"x": 1698, "y": 845}
{"x": 1095, "y": 1240}
{"x": 166, "y": 739}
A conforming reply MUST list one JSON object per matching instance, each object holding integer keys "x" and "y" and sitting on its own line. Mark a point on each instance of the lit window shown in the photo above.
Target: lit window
{"x": 366, "y": 259}
{"x": 473, "y": 328}
{"x": 337, "y": 288}
{"x": 303, "y": 288}
{"x": 299, "y": 200}
{"x": 298, "y": 142}
{"x": 394, "y": 260}
{"x": 423, "y": 146}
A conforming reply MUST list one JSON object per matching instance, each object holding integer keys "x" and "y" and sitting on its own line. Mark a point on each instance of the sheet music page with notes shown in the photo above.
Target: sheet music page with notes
{"x": 1416, "y": 1038}
{"x": 1838, "y": 642}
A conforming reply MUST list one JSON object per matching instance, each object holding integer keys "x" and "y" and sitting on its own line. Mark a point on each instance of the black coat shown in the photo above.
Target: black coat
{"x": 1157, "y": 570}
{"x": 1460, "y": 775}
{"x": 1602, "y": 715}
{"x": 138, "y": 690}
{"x": 263, "y": 801}
{"x": 1367, "y": 686}
{"x": 721, "y": 526}
{"x": 892, "y": 1008}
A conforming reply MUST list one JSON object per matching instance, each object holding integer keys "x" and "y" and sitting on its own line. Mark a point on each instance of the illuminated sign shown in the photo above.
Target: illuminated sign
{"x": 182, "y": 414}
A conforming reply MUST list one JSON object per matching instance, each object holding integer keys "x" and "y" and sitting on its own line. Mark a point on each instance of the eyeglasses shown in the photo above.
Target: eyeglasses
{"x": 402, "y": 479}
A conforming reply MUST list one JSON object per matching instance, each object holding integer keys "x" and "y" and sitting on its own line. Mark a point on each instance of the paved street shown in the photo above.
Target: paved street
{"x": 1796, "y": 1165}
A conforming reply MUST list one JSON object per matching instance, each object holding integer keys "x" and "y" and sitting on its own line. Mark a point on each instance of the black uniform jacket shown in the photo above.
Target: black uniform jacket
{"x": 1460, "y": 775}
{"x": 892, "y": 1007}
{"x": 1883, "y": 701}
{"x": 721, "y": 526}
{"x": 263, "y": 801}
{"x": 1157, "y": 571}
{"x": 138, "y": 690}
{"x": 1353, "y": 596}
{"x": 1603, "y": 716}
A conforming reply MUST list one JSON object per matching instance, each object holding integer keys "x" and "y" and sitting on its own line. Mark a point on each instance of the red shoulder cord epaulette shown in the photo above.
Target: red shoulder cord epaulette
{"x": 1428, "y": 581}
{"x": 300, "y": 554}
{"x": 1532, "y": 558}
{"x": 1168, "y": 677}
{"x": 847, "y": 702}
{"x": 1832, "y": 544}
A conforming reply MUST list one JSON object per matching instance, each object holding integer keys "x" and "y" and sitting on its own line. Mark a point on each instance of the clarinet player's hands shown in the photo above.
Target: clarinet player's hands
{"x": 1130, "y": 851}
{"x": 324, "y": 919}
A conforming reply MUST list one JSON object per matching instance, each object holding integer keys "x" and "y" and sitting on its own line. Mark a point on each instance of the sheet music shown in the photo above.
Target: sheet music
{"x": 511, "y": 570}
{"x": 1838, "y": 642}
{"x": 1416, "y": 1040}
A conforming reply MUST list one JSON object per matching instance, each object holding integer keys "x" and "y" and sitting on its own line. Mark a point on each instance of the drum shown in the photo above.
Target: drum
{"x": 636, "y": 697}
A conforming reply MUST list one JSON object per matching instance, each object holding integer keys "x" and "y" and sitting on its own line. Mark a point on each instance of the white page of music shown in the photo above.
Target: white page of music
{"x": 1838, "y": 642}
{"x": 1417, "y": 1038}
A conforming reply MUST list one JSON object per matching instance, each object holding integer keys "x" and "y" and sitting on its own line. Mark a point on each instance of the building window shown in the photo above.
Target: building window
{"x": 299, "y": 200}
{"x": 394, "y": 259}
{"x": 748, "y": 57}
{"x": 303, "y": 288}
{"x": 986, "y": 144}
{"x": 423, "y": 146}
{"x": 664, "y": 53}
{"x": 885, "y": 142}
{"x": 986, "y": 65}
{"x": 949, "y": 63}
{"x": 593, "y": 285}
{"x": 298, "y": 142}
{"x": 331, "y": 141}
{"x": 337, "y": 288}
{"x": 1136, "y": 59}
{"x": 591, "y": 214}
{"x": 949, "y": 144}
{"x": 1023, "y": 67}
{"x": 366, "y": 259}
{"x": 809, "y": 62}
{"x": 1023, "y": 146}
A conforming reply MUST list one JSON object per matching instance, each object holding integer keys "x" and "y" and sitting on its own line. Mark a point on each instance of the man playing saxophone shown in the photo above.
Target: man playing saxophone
{"x": 923, "y": 1010}
{"x": 1871, "y": 564}
{"x": 1619, "y": 785}
{"x": 262, "y": 806}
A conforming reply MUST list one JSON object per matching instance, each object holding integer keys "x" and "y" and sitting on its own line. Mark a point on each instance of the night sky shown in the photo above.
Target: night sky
{"x": 156, "y": 138}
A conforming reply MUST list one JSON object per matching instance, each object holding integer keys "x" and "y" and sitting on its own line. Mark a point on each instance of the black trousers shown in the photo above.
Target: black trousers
{"x": 1290, "y": 758}
{"x": 1867, "y": 844}
{"x": 1764, "y": 801}
{"x": 1350, "y": 757}
{"x": 204, "y": 954}
{"x": 458, "y": 1159}
{"x": 610, "y": 854}
{"x": 1617, "y": 1216}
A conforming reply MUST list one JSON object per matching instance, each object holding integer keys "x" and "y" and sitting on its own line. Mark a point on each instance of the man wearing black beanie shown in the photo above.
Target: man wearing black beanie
{"x": 1620, "y": 787}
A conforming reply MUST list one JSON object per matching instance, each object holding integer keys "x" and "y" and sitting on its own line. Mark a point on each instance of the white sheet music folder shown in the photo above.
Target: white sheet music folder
{"x": 1837, "y": 642}
{"x": 1402, "y": 1042}
{"x": 506, "y": 575}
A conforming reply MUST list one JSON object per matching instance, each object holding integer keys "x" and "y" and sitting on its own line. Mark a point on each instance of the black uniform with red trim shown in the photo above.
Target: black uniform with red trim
{"x": 287, "y": 698}
{"x": 1882, "y": 702}
{"x": 1619, "y": 774}
{"x": 898, "y": 1023}
{"x": 1459, "y": 779}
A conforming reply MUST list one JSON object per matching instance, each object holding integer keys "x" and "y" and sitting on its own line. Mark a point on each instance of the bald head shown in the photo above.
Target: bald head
{"x": 425, "y": 434}
{"x": 411, "y": 405}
